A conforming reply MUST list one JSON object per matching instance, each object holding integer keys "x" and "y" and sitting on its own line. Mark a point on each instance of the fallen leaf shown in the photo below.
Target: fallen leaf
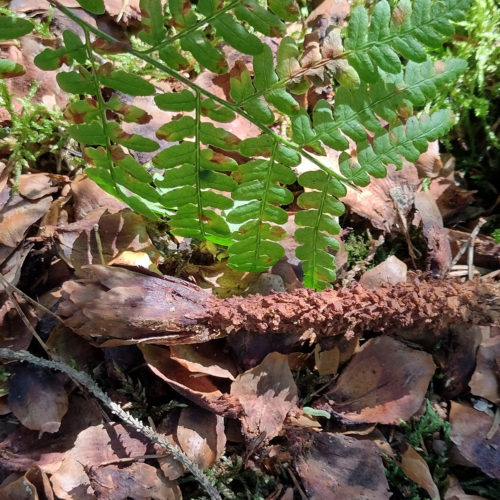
{"x": 14, "y": 333}
{"x": 202, "y": 391}
{"x": 439, "y": 250}
{"x": 455, "y": 492}
{"x": 384, "y": 382}
{"x": 484, "y": 381}
{"x": 416, "y": 469}
{"x": 267, "y": 394}
{"x": 391, "y": 271}
{"x": 327, "y": 361}
{"x": 18, "y": 489}
{"x": 93, "y": 446}
{"x": 469, "y": 428}
{"x": 200, "y": 435}
{"x": 337, "y": 467}
{"x": 208, "y": 358}
{"x": 138, "y": 481}
{"x": 119, "y": 238}
{"x": 35, "y": 186}
{"x": 37, "y": 398}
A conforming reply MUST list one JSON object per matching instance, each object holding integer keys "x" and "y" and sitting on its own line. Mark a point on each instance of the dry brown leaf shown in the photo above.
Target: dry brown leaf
{"x": 18, "y": 488}
{"x": 485, "y": 379}
{"x": 267, "y": 394}
{"x": 200, "y": 435}
{"x": 327, "y": 361}
{"x": 416, "y": 469}
{"x": 391, "y": 271}
{"x": 338, "y": 467}
{"x": 14, "y": 333}
{"x": 138, "y": 481}
{"x": 35, "y": 186}
{"x": 455, "y": 492}
{"x": 37, "y": 398}
{"x": 122, "y": 237}
{"x": 384, "y": 382}
{"x": 93, "y": 446}
{"x": 202, "y": 391}
{"x": 209, "y": 358}
{"x": 87, "y": 196}
{"x": 469, "y": 428}
{"x": 439, "y": 250}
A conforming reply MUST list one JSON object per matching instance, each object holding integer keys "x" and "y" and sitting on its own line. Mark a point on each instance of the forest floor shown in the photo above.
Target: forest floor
{"x": 387, "y": 386}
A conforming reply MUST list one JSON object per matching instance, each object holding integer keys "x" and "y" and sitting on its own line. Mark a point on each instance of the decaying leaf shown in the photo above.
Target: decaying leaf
{"x": 203, "y": 390}
{"x": 138, "y": 481}
{"x": 384, "y": 382}
{"x": 416, "y": 469}
{"x": 37, "y": 398}
{"x": 267, "y": 394}
{"x": 469, "y": 429}
{"x": 93, "y": 446}
{"x": 14, "y": 333}
{"x": 340, "y": 467}
{"x": 455, "y": 492}
{"x": 485, "y": 379}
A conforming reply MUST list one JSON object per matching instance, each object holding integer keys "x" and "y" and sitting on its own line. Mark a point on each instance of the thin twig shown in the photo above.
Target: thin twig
{"x": 470, "y": 250}
{"x": 466, "y": 244}
{"x": 89, "y": 384}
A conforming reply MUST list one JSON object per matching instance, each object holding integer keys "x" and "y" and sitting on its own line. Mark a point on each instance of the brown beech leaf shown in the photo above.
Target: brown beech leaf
{"x": 455, "y": 492}
{"x": 35, "y": 186}
{"x": 22, "y": 448}
{"x": 208, "y": 358}
{"x": 14, "y": 333}
{"x": 267, "y": 394}
{"x": 93, "y": 446}
{"x": 485, "y": 379}
{"x": 16, "y": 216}
{"x": 200, "y": 435}
{"x": 384, "y": 382}
{"x": 203, "y": 390}
{"x": 416, "y": 469}
{"x": 469, "y": 429}
{"x": 37, "y": 398}
{"x": 87, "y": 196}
{"x": 123, "y": 239}
{"x": 337, "y": 467}
{"x": 138, "y": 481}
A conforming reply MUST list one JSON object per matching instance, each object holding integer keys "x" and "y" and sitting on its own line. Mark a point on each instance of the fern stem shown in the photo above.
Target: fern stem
{"x": 197, "y": 164}
{"x": 100, "y": 100}
{"x": 190, "y": 29}
{"x": 169, "y": 71}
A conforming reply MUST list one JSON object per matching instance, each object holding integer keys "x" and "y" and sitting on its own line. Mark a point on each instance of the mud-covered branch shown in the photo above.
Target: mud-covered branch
{"x": 116, "y": 305}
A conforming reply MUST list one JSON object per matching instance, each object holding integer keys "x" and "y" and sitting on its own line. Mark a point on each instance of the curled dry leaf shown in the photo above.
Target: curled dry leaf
{"x": 35, "y": 186}
{"x": 37, "y": 398}
{"x": 469, "y": 429}
{"x": 119, "y": 238}
{"x": 138, "y": 481}
{"x": 267, "y": 394}
{"x": 484, "y": 381}
{"x": 384, "y": 382}
{"x": 202, "y": 391}
{"x": 93, "y": 446}
{"x": 416, "y": 469}
{"x": 334, "y": 466}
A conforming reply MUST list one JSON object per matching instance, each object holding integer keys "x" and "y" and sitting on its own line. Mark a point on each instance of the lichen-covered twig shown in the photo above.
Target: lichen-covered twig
{"x": 84, "y": 380}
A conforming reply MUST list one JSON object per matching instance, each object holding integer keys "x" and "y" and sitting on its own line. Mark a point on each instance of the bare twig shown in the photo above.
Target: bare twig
{"x": 467, "y": 243}
{"x": 89, "y": 384}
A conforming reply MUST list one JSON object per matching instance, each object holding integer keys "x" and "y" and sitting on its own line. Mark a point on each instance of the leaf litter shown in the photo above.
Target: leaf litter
{"x": 276, "y": 394}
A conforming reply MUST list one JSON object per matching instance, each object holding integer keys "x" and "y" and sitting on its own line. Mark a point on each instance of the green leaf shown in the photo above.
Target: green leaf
{"x": 14, "y": 27}
{"x": 216, "y": 111}
{"x": 153, "y": 31}
{"x": 176, "y": 130}
{"x": 75, "y": 83}
{"x": 260, "y": 19}
{"x": 93, "y": 6}
{"x": 207, "y": 55}
{"x": 124, "y": 82}
{"x": 88, "y": 133}
{"x": 172, "y": 56}
{"x": 236, "y": 35}
{"x": 286, "y": 9}
{"x": 9, "y": 69}
{"x": 176, "y": 101}
{"x": 131, "y": 141}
